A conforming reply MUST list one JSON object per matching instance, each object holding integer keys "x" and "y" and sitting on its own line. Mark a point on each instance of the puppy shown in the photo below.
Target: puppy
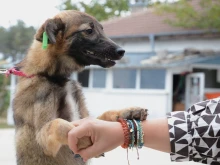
{"x": 46, "y": 100}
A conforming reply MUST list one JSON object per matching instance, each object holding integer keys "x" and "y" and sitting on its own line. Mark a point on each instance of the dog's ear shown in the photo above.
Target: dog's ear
{"x": 52, "y": 28}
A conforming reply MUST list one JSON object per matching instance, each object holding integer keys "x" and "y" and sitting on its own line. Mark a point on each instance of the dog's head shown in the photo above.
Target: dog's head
{"x": 81, "y": 37}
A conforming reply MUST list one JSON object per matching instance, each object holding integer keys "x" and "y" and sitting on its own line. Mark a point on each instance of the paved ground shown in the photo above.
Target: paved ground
{"x": 115, "y": 157}
{"x": 7, "y": 152}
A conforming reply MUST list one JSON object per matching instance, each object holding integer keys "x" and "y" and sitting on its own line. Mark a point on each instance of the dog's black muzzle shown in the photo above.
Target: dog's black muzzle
{"x": 103, "y": 52}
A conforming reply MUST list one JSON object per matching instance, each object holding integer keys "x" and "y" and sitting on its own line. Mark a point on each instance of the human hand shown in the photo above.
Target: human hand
{"x": 105, "y": 136}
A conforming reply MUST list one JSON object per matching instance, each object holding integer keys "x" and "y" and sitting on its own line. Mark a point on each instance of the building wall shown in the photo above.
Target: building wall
{"x": 100, "y": 101}
{"x": 134, "y": 45}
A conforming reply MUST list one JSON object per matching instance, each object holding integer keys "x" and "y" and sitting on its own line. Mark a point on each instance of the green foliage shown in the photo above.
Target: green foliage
{"x": 205, "y": 15}
{"x": 15, "y": 40}
{"x": 4, "y": 125}
{"x": 4, "y": 95}
{"x": 101, "y": 10}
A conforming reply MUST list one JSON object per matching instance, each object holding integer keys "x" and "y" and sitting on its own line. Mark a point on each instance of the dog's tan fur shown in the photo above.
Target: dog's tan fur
{"x": 44, "y": 104}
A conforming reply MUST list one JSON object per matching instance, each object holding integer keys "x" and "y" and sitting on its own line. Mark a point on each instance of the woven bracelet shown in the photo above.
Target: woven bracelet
{"x": 135, "y": 132}
{"x": 126, "y": 133}
{"x": 141, "y": 135}
{"x": 132, "y": 134}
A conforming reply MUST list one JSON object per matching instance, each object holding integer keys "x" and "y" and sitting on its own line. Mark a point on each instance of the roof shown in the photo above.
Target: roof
{"x": 144, "y": 22}
{"x": 187, "y": 57}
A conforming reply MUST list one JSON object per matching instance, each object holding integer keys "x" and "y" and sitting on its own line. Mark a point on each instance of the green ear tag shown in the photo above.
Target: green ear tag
{"x": 45, "y": 40}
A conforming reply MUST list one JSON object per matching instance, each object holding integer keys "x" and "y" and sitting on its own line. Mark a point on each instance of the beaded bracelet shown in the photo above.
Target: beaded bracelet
{"x": 133, "y": 133}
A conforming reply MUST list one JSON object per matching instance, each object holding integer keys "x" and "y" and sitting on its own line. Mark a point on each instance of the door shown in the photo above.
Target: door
{"x": 195, "y": 84}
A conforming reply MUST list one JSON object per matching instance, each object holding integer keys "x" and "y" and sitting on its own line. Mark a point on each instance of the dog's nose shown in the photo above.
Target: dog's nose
{"x": 120, "y": 51}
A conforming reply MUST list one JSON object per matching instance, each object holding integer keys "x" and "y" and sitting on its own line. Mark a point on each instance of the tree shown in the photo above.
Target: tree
{"x": 4, "y": 95}
{"x": 202, "y": 14}
{"x": 101, "y": 10}
{"x": 15, "y": 40}
{"x": 105, "y": 9}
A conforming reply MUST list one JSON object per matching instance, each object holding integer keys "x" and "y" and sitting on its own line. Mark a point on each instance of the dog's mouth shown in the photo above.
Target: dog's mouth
{"x": 105, "y": 60}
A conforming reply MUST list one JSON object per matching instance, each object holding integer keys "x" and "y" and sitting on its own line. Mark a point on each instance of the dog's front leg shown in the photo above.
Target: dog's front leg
{"x": 51, "y": 132}
{"x": 130, "y": 113}
{"x": 53, "y": 135}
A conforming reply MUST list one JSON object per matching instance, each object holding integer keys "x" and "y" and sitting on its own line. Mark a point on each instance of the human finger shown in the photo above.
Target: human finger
{"x": 74, "y": 135}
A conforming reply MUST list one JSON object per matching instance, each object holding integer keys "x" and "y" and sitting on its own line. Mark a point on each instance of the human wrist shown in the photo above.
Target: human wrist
{"x": 133, "y": 133}
{"x": 119, "y": 133}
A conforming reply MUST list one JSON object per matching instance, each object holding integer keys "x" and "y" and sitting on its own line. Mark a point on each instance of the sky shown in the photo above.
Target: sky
{"x": 32, "y": 12}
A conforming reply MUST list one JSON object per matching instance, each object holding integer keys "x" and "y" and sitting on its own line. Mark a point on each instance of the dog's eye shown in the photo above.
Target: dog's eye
{"x": 89, "y": 31}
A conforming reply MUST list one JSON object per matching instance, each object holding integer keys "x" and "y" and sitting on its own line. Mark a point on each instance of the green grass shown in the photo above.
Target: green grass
{"x": 3, "y": 124}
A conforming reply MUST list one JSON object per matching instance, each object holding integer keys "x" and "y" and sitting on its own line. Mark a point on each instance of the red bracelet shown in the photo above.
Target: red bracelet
{"x": 126, "y": 133}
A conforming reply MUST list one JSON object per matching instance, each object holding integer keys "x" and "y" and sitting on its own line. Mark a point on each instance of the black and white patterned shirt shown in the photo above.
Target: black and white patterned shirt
{"x": 195, "y": 133}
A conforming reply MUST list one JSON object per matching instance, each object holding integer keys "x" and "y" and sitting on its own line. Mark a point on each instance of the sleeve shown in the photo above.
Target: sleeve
{"x": 195, "y": 133}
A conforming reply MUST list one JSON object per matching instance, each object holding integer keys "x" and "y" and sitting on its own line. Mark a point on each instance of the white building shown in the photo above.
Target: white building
{"x": 153, "y": 71}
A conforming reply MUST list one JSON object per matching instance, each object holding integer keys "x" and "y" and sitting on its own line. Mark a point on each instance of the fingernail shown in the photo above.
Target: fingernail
{"x": 77, "y": 156}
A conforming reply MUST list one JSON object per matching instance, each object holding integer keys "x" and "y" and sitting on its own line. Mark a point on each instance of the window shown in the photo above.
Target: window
{"x": 99, "y": 78}
{"x": 83, "y": 78}
{"x": 152, "y": 79}
{"x": 124, "y": 78}
{"x": 210, "y": 77}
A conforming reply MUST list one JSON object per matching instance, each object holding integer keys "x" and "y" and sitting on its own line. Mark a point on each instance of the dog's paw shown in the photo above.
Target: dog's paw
{"x": 84, "y": 142}
{"x": 136, "y": 113}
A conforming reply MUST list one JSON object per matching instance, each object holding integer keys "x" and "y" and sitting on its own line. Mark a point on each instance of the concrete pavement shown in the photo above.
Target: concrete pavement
{"x": 7, "y": 152}
{"x": 115, "y": 157}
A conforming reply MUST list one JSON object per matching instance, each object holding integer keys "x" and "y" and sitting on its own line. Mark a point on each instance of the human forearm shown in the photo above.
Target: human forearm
{"x": 156, "y": 134}
{"x": 106, "y": 136}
